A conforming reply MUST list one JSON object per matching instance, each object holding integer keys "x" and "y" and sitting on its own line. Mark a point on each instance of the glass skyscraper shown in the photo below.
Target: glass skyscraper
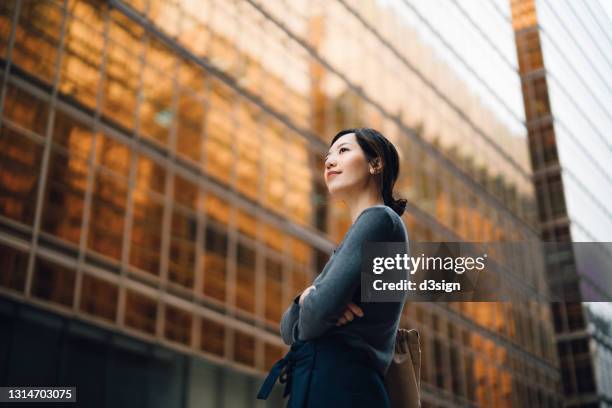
{"x": 565, "y": 60}
{"x": 162, "y": 196}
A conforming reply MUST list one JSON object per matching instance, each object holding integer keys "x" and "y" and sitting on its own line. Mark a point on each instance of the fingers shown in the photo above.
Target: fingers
{"x": 355, "y": 309}
{"x": 402, "y": 343}
{"x": 345, "y": 318}
{"x": 349, "y": 314}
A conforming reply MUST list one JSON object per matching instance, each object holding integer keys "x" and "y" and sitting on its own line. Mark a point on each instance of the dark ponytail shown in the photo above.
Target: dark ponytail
{"x": 375, "y": 145}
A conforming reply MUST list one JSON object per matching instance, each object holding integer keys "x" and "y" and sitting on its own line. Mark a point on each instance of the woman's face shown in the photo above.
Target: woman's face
{"x": 347, "y": 170}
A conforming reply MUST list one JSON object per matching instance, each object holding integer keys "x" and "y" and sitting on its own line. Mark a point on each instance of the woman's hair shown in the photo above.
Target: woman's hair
{"x": 374, "y": 145}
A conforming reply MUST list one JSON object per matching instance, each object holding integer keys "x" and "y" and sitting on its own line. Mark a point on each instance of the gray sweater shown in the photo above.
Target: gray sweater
{"x": 339, "y": 283}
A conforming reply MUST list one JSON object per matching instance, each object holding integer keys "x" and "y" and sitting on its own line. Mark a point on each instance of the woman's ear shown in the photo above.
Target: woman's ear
{"x": 375, "y": 166}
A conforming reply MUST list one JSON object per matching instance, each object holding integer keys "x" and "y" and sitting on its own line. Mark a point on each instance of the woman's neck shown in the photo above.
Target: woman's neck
{"x": 362, "y": 202}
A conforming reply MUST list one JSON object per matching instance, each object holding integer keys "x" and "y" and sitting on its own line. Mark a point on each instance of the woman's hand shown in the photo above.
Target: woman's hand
{"x": 305, "y": 293}
{"x": 350, "y": 312}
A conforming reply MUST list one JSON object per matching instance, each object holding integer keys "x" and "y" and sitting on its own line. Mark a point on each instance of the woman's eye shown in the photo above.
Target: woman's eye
{"x": 342, "y": 148}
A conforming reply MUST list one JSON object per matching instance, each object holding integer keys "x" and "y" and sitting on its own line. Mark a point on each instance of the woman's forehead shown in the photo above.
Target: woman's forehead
{"x": 348, "y": 138}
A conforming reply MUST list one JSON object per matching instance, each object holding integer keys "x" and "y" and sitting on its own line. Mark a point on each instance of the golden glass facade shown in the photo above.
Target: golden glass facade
{"x": 562, "y": 54}
{"x": 162, "y": 175}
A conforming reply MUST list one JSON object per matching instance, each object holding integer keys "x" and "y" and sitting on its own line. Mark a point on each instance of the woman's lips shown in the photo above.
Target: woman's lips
{"x": 330, "y": 175}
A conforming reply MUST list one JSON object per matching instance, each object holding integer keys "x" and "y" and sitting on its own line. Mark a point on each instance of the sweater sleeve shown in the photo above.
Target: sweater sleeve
{"x": 288, "y": 324}
{"x": 323, "y": 306}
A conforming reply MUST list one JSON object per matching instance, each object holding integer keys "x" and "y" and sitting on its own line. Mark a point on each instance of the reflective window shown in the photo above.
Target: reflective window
{"x": 64, "y": 198}
{"x": 165, "y": 14}
{"x": 219, "y": 133}
{"x": 216, "y": 208}
{"x": 122, "y": 70}
{"x": 248, "y": 146}
{"x": 99, "y": 297}
{"x": 246, "y": 223}
{"x": 301, "y": 252}
{"x": 140, "y": 312}
{"x": 274, "y": 290}
{"x": 109, "y": 197}
{"x": 53, "y": 282}
{"x": 185, "y": 192}
{"x": 274, "y": 161}
{"x": 82, "y": 58}
{"x": 7, "y": 10}
{"x": 272, "y": 354}
{"x": 275, "y": 238}
{"x": 215, "y": 255}
{"x": 244, "y": 348}
{"x": 25, "y": 109}
{"x": 178, "y": 325}
{"x": 181, "y": 262}
{"x": 14, "y": 265}
{"x": 146, "y": 232}
{"x": 150, "y": 175}
{"x": 300, "y": 280}
{"x": 37, "y": 38}
{"x": 299, "y": 205}
{"x": 21, "y": 158}
{"x": 212, "y": 337}
{"x": 245, "y": 278}
{"x": 156, "y": 110}
{"x": 190, "y": 121}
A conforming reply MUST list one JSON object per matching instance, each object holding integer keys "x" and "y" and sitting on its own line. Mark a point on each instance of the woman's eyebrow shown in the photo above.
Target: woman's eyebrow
{"x": 338, "y": 146}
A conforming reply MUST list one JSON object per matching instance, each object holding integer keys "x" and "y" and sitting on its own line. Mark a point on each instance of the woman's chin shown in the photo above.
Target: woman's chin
{"x": 336, "y": 194}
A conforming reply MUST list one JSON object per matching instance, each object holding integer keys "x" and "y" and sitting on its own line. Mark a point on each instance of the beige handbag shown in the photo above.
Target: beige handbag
{"x": 403, "y": 379}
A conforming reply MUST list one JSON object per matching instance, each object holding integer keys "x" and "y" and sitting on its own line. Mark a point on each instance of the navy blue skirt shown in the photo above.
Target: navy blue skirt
{"x": 325, "y": 372}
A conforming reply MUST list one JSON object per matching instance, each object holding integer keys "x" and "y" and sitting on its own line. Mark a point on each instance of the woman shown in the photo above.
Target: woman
{"x": 341, "y": 348}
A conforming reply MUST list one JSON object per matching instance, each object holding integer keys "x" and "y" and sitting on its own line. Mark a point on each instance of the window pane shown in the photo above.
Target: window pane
{"x": 7, "y": 10}
{"x": 178, "y": 325}
{"x": 216, "y": 208}
{"x": 299, "y": 191}
{"x": 274, "y": 290}
{"x": 25, "y": 109}
{"x": 146, "y": 232}
{"x": 275, "y": 238}
{"x": 37, "y": 38}
{"x": 99, "y": 298}
{"x": 80, "y": 70}
{"x": 246, "y": 223}
{"x": 156, "y": 113}
{"x": 300, "y": 280}
{"x": 213, "y": 337}
{"x": 189, "y": 127}
{"x": 64, "y": 196}
{"x": 185, "y": 192}
{"x": 274, "y": 167}
{"x": 248, "y": 145}
{"x": 215, "y": 255}
{"x": 219, "y": 131}
{"x": 244, "y": 348}
{"x": 182, "y": 248}
{"x": 108, "y": 210}
{"x": 13, "y": 264}
{"x": 272, "y": 355}
{"x": 53, "y": 282}
{"x": 140, "y": 312}
{"x": 20, "y": 158}
{"x": 122, "y": 71}
{"x": 245, "y": 278}
{"x": 150, "y": 175}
